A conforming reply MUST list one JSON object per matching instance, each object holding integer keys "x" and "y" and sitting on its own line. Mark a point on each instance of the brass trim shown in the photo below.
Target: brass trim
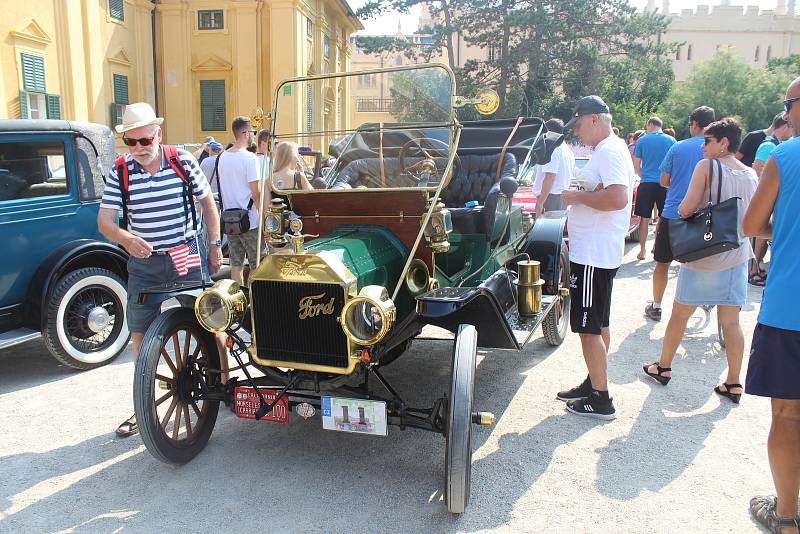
{"x": 378, "y": 297}
{"x": 232, "y": 298}
{"x": 352, "y": 360}
{"x": 418, "y": 277}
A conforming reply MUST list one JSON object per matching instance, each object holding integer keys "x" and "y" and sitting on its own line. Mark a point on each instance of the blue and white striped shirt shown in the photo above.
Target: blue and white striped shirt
{"x": 156, "y": 210}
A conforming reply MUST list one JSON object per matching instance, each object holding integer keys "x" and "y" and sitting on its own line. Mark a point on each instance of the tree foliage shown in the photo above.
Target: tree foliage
{"x": 733, "y": 88}
{"x": 545, "y": 54}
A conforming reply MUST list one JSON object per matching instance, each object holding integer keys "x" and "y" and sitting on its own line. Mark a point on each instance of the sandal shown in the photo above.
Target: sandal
{"x": 128, "y": 427}
{"x": 758, "y": 279}
{"x": 763, "y": 508}
{"x": 663, "y": 380}
{"x": 735, "y": 397}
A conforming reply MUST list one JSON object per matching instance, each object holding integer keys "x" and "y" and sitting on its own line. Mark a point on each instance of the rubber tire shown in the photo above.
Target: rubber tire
{"x": 555, "y": 333}
{"x": 458, "y": 438}
{"x": 144, "y": 394}
{"x": 53, "y": 333}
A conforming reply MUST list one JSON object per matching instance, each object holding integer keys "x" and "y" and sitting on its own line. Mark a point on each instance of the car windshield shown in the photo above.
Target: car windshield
{"x": 388, "y": 129}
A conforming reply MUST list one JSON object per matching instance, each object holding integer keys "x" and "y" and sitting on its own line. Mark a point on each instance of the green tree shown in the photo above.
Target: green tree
{"x": 733, "y": 88}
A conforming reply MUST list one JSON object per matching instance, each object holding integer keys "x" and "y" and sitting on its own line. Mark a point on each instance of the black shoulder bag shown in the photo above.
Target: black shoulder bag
{"x": 234, "y": 221}
{"x": 711, "y": 230}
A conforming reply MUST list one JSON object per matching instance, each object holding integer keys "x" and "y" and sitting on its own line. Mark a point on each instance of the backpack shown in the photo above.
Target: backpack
{"x": 171, "y": 152}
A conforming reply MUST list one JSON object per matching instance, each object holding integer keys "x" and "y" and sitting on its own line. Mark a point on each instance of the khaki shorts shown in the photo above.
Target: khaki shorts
{"x": 243, "y": 245}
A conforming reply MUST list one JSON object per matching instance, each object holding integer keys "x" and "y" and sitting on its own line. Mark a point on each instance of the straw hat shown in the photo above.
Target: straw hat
{"x": 137, "y": 115}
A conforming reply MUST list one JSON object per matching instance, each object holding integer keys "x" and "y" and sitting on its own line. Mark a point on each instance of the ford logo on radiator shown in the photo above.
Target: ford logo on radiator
{"x": 314, "y": 305}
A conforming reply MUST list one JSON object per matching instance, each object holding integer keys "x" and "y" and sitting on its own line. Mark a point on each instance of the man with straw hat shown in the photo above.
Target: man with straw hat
{"x": 156, "y": 187}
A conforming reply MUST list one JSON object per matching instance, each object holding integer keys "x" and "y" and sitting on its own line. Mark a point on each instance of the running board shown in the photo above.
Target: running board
{"x": 17, "y": 336}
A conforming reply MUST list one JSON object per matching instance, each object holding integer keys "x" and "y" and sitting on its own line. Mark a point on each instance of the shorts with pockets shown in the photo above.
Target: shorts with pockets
{"x": 590, "y": 297}
{"x": 243, "y": 245}
{"x": 662, "y": 251}
{"x": 649, "y": 194}
{"x": 774, "y": 366}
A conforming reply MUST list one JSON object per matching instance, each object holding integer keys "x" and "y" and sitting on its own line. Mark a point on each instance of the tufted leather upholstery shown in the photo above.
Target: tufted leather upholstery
{"x": 476, "y": 181}
{"x": 475, "y": 178}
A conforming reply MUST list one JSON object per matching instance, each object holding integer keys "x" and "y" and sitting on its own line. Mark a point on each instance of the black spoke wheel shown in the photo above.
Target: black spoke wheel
{"x": 556, "y": 322}
{"x": 458, "y": 438}
{"x": 171, "y": 376}
{"x": 85, "y": 325}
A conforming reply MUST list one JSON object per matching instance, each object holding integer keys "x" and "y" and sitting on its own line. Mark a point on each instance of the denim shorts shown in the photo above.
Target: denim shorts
{"x": 153, "y": 272}
{"x": 723, "y": 288}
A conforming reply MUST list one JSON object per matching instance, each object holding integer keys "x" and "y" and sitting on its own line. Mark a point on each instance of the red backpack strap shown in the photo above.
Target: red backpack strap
{"x": 174, "y": 161}
{"x": 121, "y": 166}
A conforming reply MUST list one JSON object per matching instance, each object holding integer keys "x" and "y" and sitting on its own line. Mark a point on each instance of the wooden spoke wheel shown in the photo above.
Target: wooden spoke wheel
{"x": 175, "y": 422}
{"x": 458, "y": 438}
{"x": 556, "y": 323}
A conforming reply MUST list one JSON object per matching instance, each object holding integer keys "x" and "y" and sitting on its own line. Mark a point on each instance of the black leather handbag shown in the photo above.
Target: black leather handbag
{"x": 234, "y": 221}
{"x": 711, "y": 230}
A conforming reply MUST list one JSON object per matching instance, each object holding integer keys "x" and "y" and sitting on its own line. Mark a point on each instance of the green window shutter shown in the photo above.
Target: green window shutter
{"x": 212, "y": 105}
{"x": 121, "y": 89}
{"x": 23, "y": 105}
{"x": 116, "y": 114}
{"x": 53, "y": 104}
{"x": 33, "y": 73}
{"x": 116, "y": 9}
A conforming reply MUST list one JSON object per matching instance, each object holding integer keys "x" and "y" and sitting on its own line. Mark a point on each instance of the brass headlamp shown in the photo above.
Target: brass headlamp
{"x": 439, "y": 226}
{"x": 275, "y": 222}
{"x": 220, "y": 306}
{"x": 367, "y": 318}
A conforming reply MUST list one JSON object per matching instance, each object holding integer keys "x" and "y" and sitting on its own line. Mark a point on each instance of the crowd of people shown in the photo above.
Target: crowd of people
{"x": 155, "y": 190}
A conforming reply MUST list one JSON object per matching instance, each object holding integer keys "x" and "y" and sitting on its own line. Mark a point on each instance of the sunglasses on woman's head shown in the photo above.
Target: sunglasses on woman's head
{"x": 787, "y": 104}
{"x": 709, "y": 139}
{"x": 144, "y": 141}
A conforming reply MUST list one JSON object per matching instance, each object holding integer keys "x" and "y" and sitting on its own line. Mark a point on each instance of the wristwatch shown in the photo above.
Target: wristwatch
{"x": 217, "y": 242}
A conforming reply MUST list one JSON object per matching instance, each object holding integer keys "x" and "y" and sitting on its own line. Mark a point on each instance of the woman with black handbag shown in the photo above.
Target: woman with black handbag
{"x": 719, "y": 279}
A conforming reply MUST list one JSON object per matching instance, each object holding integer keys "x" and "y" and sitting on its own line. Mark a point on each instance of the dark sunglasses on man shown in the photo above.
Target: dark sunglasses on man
{"x": 144, "y": 141}
{"x": 787, "y": 104}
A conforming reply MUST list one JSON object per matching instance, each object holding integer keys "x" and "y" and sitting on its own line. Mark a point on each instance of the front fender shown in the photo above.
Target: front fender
{"x": 544, "y": 244}
{"x": 68, "y": 257}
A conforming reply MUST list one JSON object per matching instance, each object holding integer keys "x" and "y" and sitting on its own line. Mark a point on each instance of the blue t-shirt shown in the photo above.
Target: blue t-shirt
{"x": 779, "y": 303}
{"x": 765, "y": 149}
{"x": 651, "y": 149}
{"x": 679, "y": 163}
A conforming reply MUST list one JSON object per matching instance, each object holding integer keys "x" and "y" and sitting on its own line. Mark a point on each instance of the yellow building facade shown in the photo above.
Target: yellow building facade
{"x": 199, "y": 63}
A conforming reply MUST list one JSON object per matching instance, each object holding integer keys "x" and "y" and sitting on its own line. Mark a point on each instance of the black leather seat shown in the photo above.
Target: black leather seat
{"x": 475, "y": 181}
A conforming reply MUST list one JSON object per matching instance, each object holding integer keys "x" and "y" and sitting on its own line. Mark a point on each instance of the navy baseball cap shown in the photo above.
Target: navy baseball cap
{"x": 588, "y": 105}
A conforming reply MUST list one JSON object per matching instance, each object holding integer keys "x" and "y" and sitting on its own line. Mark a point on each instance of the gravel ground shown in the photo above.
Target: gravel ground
{"x": 676, "y": 459}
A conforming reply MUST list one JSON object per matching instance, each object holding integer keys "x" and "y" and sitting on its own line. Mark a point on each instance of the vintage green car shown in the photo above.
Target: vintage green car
{"x": 411, "y": 225}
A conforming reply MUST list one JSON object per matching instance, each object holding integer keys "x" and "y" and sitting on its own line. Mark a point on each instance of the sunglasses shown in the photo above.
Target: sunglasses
{"x": 709, "y": 140}
{"x": 144, "y": 141}
{"x": 787, "y": 104}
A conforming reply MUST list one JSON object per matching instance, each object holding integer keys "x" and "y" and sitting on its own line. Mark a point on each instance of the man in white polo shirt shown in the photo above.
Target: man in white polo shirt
{"x": 553, "y": 177}
{"x": 597, "y": 224}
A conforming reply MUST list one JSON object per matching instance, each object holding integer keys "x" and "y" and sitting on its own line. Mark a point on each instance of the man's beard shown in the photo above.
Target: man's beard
{"x": 146, "y": 158}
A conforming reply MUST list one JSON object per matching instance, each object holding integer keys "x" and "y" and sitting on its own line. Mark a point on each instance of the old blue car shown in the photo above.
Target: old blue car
{"x": 59, "y": 278}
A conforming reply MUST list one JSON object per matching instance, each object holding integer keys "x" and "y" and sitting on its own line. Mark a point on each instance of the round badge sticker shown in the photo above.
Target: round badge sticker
{"x": 305, "y": 410}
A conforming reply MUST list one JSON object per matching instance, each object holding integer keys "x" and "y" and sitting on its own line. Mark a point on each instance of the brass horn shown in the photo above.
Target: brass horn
{"x": 257, "y": 118}
{"x": 417, "y": 277}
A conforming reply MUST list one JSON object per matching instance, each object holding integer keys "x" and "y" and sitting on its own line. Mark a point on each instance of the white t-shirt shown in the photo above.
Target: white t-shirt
{"x": 207, "y": 166}
{"x": 597, "y": 238}
{"x": 236, "y": 171}
{"x": 562, "y": 164}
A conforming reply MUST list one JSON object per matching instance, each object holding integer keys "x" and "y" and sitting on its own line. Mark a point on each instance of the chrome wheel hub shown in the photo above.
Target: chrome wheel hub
{"x": 98, "y": 319}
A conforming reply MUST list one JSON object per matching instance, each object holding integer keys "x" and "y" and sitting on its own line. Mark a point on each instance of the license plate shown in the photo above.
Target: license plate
{"x": 354, "y": 415}
{"x": 245, "y": 402}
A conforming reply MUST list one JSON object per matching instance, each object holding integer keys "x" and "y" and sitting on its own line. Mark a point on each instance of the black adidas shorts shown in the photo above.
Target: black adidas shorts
{"x": 590, "y": 295}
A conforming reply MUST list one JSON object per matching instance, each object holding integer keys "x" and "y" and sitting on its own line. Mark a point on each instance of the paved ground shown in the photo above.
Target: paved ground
{"x": 677, "y": 459}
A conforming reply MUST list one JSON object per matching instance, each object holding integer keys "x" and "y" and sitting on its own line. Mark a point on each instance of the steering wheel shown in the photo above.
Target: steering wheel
{"x": 430, "y": 149}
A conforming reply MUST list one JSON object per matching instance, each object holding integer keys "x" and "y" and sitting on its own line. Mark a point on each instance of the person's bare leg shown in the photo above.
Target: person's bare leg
{"x": 660, "y": 281}
{"x": 783, "y": 447}
{"x": 136, "y": 344}
{"x": 728, "y": 317}
{"x": 237, "y": 274}
{"x": 644, "y": 228}
{"x": 605, "y": 333}
{"x": 676, "y": 327}
{"x": 594, "y": 352}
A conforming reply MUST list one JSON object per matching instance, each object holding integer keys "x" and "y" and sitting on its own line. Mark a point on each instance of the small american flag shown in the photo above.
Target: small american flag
{"x": 185, "y": 257}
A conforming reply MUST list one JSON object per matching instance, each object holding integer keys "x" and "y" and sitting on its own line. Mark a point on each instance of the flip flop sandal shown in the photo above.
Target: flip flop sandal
{"x": 735, "y": 397}
{"x": 128, "y": 427}
{"x": 762, "y": 508}
{"x": 663, "y": 380}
